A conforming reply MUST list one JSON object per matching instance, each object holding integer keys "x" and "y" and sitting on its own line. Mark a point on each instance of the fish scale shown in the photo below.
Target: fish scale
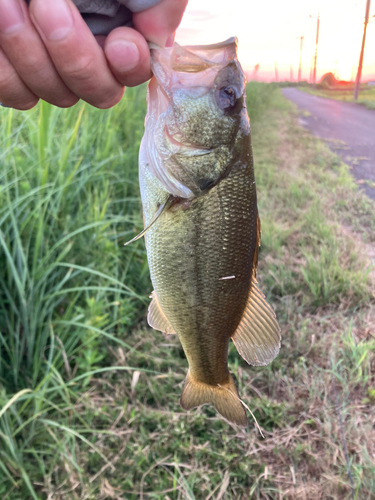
{"x": 202, "y": 249}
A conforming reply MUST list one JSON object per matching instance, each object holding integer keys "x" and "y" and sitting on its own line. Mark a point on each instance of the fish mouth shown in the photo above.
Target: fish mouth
{"x": 194, "y": 58}
{"x": 187, "y": 65}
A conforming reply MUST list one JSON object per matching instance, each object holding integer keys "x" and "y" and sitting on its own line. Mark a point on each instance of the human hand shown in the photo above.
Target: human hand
{"x": 48, "y": 52}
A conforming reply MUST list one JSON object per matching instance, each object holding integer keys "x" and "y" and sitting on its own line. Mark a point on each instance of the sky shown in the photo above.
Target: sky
{"x": 268, "y": 34}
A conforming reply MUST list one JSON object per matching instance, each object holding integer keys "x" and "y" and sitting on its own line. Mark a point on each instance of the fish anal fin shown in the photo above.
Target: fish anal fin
{"x": 257, "y": 337}
{"x": 156, "y": 317}
{"x": 224, "y": 397}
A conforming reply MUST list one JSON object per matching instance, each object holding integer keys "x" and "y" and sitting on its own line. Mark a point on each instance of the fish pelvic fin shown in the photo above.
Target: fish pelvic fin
{"x": 257, "y": 337}
{"x": 156, "y": 317}
{"x": 224, "y": 397}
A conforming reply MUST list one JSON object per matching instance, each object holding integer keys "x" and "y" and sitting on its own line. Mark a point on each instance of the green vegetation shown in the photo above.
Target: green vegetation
{"x": 366, "y": 94}
{"x": 89, "y": 393}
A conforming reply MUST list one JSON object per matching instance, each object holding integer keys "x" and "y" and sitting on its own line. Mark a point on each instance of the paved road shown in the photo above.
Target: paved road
{"x": 348, "y": 128}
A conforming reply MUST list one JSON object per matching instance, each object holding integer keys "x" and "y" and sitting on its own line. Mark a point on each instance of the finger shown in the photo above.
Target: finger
{"x": 128, "y": 56}
{"x": 26, "y": 52}
{"x": 75, "y": 53}
{"x": 13, "y": 92}
{"x": 159, "y": 22}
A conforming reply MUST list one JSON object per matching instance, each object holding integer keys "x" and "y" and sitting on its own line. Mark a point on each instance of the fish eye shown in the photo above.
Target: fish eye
{"x": 226, "y": 98}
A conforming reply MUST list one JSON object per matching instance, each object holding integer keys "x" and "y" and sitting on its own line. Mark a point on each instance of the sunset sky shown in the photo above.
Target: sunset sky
{"x": 268, "y": 32}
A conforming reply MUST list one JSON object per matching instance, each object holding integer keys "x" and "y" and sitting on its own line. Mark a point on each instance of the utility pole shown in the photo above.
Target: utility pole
{"x": 300, "y": 56}
{"x": 316, "y": 45}
{"x": 276, "y": 72}
{"x": 255, "y": 72}
{"x": 359, "y": 72}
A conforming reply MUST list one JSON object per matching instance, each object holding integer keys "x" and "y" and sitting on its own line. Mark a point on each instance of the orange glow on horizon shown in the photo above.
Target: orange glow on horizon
{"x": 268, "y": 33}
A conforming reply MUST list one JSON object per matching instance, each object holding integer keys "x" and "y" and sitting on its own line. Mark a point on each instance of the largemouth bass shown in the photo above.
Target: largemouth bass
{"x": 201, "y": 220}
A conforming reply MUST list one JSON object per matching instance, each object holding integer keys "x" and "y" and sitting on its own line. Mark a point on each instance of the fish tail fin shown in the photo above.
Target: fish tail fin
{"x": 224, "y": 397}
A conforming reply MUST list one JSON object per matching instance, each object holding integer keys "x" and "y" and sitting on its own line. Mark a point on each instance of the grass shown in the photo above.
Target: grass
{"x": 89, "y": 394}
{"x": 366, "y": 95}
{"x": 65, "y": 204}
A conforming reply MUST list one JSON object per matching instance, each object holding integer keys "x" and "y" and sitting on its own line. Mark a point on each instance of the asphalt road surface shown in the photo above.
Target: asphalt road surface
{"x": 348, "y": 129}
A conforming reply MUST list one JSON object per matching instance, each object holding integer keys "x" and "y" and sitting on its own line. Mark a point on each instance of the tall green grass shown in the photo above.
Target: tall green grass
{"x": 259, "y": 98}
{"x": 69, "y": 199}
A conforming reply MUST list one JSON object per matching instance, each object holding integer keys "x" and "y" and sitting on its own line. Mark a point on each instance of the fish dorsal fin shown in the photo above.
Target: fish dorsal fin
{"x": 156, "y": 317}
{"x": 160, "y": 210}
{"x": 257, "y": 337}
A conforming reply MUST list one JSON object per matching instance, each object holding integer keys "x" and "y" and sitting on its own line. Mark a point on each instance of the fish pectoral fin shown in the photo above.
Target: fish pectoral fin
{"x": 156, "y": 317}
{"x": 224, "y": 397}
{"x": 158, "y": 213}
{"x": 257, "y": 337}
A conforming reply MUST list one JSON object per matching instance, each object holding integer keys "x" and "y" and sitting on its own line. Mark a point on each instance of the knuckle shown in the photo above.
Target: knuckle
{"x": 13, "y": 92}
{"x": 16, "y": 95}
{"x": 110, "y": 101}
{"x": 68, "y": 103}
{"x": 88, "y": 78}
{"x": 81, "y": 69}
{"x": 65, "y": 102}
{"x": 25, "y": 106}
{"x": 21, "y": 105}
{"x": 6, "y": 79}
{"x": 34, "y": 64}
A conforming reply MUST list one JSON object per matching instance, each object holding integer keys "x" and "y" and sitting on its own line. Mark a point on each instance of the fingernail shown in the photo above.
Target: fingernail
{"x": 122, "y": 55}
{"x": 11, "y": 16}
{"x": 54, "y": 18}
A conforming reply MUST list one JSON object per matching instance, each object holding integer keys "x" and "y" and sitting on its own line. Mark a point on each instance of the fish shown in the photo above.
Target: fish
{"x": 202, "y": 228}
